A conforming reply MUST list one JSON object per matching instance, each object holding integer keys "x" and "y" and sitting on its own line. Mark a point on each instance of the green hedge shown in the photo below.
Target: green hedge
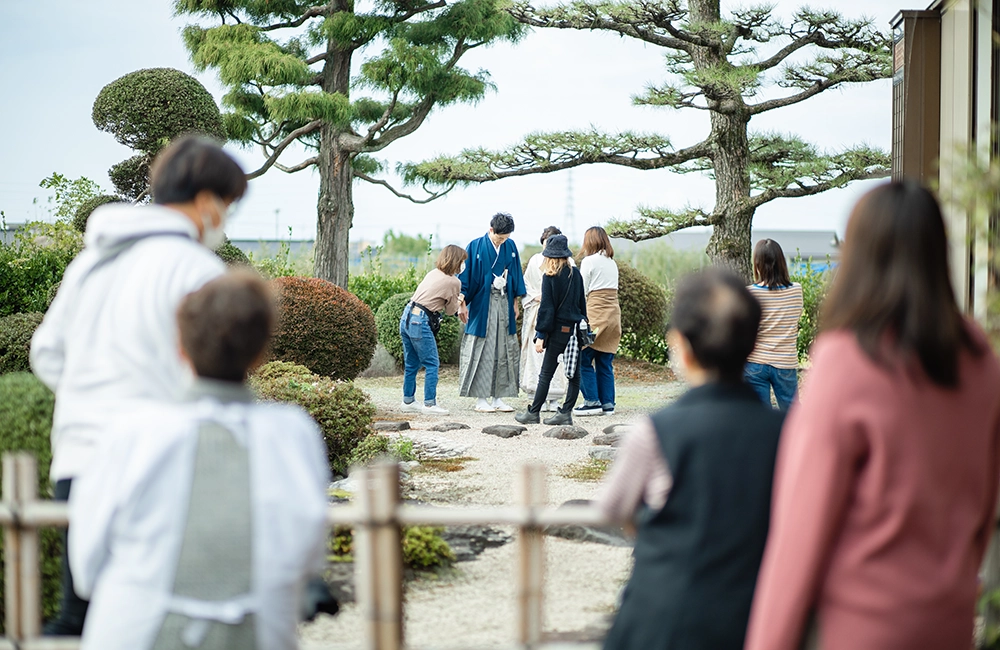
{"x": 82, "y": 214}
{"x": 387, "y": 323}
{"x": 645, "y": 309}
{"x": 322, "y": 327}
{"x": 231, "y": 255}
{"x": 815, "y": 285}
{"x": 15, "y": 341}
{"x": 343, "y": 412}
{"x": 33, "y": 263}
{"x": 26, "y": 416}
{"x": 374, "y": 288}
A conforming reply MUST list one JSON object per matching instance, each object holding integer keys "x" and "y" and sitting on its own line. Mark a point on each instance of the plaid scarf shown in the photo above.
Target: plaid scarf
{"x": 571, "y": 355}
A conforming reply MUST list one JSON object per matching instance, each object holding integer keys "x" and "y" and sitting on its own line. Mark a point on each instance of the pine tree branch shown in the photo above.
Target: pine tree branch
{"x": 378, "y": 181}
{"x": 402, "y": 18}
{"x": 311, "y": 12}
{"x": 772, "y": 104}
{"x": 653, "y": 223}
{"x": 818, "y": 188}
{"x": 305, "y": 164}
{"x": 281, "y": 146}
{"x": 621, "y": 19}
{"x": 382, "y": 122}
{"x": 544, "y": 153}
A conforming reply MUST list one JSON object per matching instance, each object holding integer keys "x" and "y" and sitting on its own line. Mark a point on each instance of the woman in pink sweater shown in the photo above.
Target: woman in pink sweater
{"x": 886, "y": 484}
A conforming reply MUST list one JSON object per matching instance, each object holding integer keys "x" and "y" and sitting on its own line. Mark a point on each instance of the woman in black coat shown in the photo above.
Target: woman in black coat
{"x": 562, "y": 307}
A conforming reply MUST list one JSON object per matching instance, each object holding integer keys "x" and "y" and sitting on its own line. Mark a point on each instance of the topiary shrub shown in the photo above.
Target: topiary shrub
{"x": 343, "y": 412}
{"x": 232, "y": 255}
{"x": 26, "y": 416}
{"x": 322, "y": 327}
{"x": 645, "y": 309}
{"x": 15, "y": 341}
{"x": 387, "y": 323}
{"x": 82, "y": 214}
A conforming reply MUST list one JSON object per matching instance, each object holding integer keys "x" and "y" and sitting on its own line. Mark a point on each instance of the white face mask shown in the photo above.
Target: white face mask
{"x": 461, "y": 269}
{"x": 214, "y": 236}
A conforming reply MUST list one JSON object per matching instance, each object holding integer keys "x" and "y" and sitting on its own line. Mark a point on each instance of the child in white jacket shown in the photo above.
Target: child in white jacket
{"x": 199, "y": 524}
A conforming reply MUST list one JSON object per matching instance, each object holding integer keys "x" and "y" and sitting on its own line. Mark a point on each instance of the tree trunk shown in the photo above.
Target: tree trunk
{"x": 335, "y": 210}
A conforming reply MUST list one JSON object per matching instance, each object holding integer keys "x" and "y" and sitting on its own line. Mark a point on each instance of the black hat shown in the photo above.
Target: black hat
{"x": 502, "y": 223}
{"x": 557, "y": 246}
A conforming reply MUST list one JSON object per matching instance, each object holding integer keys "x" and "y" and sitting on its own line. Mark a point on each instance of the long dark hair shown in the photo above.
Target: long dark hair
{"x": 769, "y": 265}
{"x": 893, "y": 289}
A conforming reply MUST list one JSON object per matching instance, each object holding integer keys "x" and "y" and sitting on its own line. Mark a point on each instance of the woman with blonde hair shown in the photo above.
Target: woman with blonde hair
{"x": 531, "y": 360}
{"x": 560, "y": 311}
{"x": 438, "y": 292}
{"x": 600, "y": 285}
{"x": 885, "y": 488}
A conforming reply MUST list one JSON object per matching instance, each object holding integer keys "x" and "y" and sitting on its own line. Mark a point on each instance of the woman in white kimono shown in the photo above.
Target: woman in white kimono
{"x": 531, "y": 360}
{"x": 199, "y": 525}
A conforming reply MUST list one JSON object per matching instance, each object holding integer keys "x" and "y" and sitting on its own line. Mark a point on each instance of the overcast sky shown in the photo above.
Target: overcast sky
{"x": 56, "y": 56}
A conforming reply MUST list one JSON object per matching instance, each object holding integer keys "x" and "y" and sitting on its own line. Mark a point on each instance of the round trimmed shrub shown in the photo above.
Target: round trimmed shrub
{"x": 15, "y": 341}
{"x": 387, "y": 322}
{"x": 26, "y": 413}
{"x": 645, "y": 311}
{"x": 82, "y": 214}
{"x": 232, "y": 255}
{"x": 322, "y": 327}
{"x": 342, "y": 411}
{"x": 131, "y": 176}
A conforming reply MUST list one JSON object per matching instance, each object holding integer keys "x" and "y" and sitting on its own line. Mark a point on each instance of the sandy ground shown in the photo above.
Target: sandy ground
{"x": 475, "y": 605}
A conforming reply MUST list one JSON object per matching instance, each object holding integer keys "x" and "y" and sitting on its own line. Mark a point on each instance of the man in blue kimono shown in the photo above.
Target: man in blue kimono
{"x": 491, "y": 284}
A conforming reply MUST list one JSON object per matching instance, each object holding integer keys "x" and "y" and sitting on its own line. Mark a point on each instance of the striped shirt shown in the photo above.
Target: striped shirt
{"x": 779, "y": 325}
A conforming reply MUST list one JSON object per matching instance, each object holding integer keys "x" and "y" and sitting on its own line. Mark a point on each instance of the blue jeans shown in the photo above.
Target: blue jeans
{"x": 597, "y": 386}
{"x": 419, "y": 350}
{"x": 762, "y": 378}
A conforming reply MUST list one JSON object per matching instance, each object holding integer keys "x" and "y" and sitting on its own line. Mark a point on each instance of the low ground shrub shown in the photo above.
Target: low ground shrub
{"x": 815, "y": 285}
{"x": 283, "y": 263}
{"x": 15, "y": 341}
{"x": 377, "y": 446}
{"x": 374, "y": 288}
{"x": 26, "y": 416}
{"x": 387, "y": 324}
{"x": 33, "y": 262}
{"x": 322, "y": 327}
{"x": 343, "y": 412}
{"x": 232, "y": 255}
{"x": 423, "y": 547}
{"x": 645, "y": 307}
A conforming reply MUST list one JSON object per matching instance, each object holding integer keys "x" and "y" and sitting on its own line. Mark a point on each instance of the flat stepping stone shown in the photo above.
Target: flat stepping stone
{"x": 619, "y": 428}
{"x": 505, "y": 430}
{"x": 609, "y": 439}
{"x": 603, "y": 453}
{"x": 566, "y": 432}
{"x": 449, "y": 426}
{"x": 607, "y": 535}
{"x": 391, "y": 425}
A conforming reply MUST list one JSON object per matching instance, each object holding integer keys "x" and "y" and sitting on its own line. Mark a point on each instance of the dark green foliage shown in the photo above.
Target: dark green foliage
{"x": 33, "y": 263}
{"x": 374, "y": 286}
{"x": 82, "y": 214}
{"x": 232, "y": 255}
{"x": 387, "y": 322}
{"x": 26, "y": 416}
{"x": 131, "y": 176}
{"x": 815, "y": 285}
{"x": 148, "y": 108}
{"x": 343, "y": 412}
{"x": 15, "y": 341}
{"x": 645, "y": 310}
{"x": 323, "y": 327}
{"x": 423, "y": 547}
{"x": 376, "y": 446}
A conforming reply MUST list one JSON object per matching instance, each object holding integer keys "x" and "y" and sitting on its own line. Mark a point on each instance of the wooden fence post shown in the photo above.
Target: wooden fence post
{"x": 531, "y": 565}
{"x": 12, "y": 553}
{"x": 31, "y": 579}
{"x": 378, "y": 561}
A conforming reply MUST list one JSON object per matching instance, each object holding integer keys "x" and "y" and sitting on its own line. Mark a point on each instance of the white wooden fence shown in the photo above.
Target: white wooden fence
{"x": 376, "y": 515}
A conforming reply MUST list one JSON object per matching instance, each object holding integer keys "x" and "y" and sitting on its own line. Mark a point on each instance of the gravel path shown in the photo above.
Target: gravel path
{"x": 475, "y": 606}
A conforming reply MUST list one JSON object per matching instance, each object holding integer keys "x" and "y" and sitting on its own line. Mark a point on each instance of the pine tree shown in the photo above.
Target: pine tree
{"x": 716, "y": 67}
{"x": 287, "y": 66}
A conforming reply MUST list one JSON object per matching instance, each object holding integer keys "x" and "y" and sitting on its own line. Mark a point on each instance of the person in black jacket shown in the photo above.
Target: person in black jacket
{"x": 562, "y": 307}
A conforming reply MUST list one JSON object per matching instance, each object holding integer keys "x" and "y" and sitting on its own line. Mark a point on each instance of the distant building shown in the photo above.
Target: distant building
{"x": 946, "y": 99}
{"x": 817, "y": 245}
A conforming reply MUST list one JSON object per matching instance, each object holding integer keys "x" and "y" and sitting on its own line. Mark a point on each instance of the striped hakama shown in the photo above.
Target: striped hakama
{"x": 489, "y": 366}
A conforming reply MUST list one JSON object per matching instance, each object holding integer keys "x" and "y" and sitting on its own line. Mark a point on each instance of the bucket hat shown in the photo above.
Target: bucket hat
{"x": 557, "y": 246}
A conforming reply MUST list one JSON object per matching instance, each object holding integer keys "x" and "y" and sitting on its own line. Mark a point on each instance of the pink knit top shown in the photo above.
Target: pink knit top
{"x": 884, "y": 500}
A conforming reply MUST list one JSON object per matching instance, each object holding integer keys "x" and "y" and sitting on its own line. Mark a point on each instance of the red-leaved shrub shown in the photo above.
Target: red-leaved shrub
{"x": 322, "y": 327}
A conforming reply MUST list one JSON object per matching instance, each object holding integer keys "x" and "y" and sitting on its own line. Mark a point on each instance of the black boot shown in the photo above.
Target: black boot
{"x": 559, "y": 418}
{"x": 527, "y": 417}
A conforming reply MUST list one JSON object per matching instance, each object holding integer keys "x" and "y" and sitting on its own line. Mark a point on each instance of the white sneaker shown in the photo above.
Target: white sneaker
{"x": 586, "y": 410}
{"x": 500, "y": 406}
{"x": 482, "y": 406}
{"x": 412, "y": 407}
{"x": 433, "y": 410}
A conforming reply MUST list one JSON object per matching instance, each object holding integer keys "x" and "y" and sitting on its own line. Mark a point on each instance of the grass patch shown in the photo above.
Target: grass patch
{"x": 591, "y": 469}
{"x": 443, "y": 464}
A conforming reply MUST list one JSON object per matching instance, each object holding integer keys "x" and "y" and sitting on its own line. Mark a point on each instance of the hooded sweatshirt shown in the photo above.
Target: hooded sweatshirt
{"x": 109, "y": 340}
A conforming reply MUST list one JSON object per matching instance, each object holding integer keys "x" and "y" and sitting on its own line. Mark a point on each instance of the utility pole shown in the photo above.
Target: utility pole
{"x": 276, "y": 212}
{"x": 570, "y": 212}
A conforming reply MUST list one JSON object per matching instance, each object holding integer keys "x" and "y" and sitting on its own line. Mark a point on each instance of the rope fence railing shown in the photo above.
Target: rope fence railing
{"x": 376, "y": 515}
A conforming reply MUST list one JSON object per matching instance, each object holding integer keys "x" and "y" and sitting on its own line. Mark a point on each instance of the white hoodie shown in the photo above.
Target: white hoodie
{"x": 110, "y": 340}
